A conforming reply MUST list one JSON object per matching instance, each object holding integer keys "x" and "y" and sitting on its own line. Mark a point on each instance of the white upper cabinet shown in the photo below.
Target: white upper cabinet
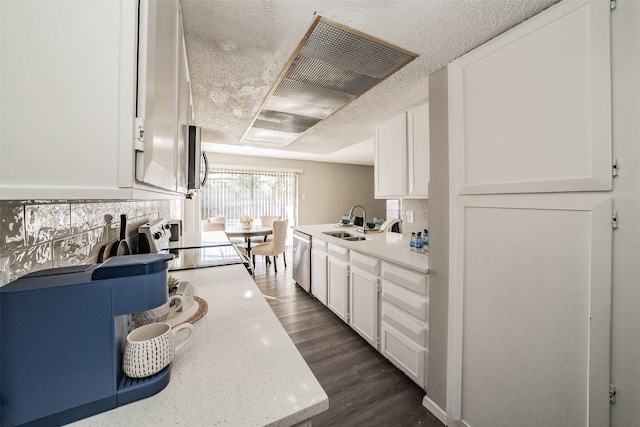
{"x": 418, "y": 151}
{"x": 402, "y": 155}
{"x": 531, "y": 111}
{"x": 69, "y": 74}
{"x": 159, "y": 58}
{"x": 390, "y": 162}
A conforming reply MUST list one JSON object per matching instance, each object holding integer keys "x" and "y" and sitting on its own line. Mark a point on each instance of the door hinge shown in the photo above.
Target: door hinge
{"x": 614, "y": 167}
{"x": 612, "y": 393}
{"x": 378, "y": 341}
{"x": 138, "y": 135}
{"x": 613, "y": 4}
{"x": 614, "y": 219}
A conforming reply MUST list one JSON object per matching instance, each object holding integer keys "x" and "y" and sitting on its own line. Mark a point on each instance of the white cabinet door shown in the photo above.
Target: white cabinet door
{"x": 68, "y": 98}
{"x": 530, "y": 274}
{"x": 363, "y": 315}
{"x": 391, "y": 158}
{"x": 403, "y": 353}
{"x": 531, "y": 283}
{"x": 530, "y": 111}
{"x": 338, "y": 287}
{"x": 157, "y": 93}
{"x": 319, "y": 275}
{"x": 184, "y": 114}
{"x": 418, "y": 151}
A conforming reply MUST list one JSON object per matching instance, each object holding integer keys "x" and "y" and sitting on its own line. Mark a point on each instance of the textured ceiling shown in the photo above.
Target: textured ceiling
{"x": 237, "y": 49}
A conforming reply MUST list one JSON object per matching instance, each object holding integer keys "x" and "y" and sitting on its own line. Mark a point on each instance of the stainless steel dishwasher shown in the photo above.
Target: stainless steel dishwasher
{"x": 302, "y": 260}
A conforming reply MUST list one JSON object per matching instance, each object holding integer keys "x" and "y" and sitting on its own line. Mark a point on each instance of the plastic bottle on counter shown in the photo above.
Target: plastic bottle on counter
{"x": 425, "y": 238}
{"x": 412, "y": 242}
{"x": 419, "y": 242}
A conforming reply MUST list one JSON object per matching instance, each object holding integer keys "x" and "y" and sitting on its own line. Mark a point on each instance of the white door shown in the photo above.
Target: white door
{"x": 390, "y": 159}
{"x": 418, "y": 151}
{"x": 158, "y": 93}
{"x": 338, "y": 287}
{"x": 364, "y": 304}
{"x": 532, "y": 292}
{"x": 530, "y": 224}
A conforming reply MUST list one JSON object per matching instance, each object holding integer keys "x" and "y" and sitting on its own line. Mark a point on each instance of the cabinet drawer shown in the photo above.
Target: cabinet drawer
{"x": 372, "y": 265}
{"x": 403, "y": 353}
{"x": 411, "y": 280}
{"x": 415, "y": 331}
{"x": 338, "y": 252}
{"x": 416, "y": 305}
{"x": 319, "y": 245}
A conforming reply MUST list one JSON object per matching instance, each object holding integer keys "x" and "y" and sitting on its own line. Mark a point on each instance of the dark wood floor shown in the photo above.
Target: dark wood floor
{"x": 364, "y": 388}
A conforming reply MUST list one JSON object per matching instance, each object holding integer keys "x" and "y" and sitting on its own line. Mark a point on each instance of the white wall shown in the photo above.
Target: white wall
{"x": 325, "y": 190}
{"x": 625, "y": 354}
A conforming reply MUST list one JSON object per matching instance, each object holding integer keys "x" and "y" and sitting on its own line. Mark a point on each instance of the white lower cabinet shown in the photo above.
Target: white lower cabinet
{"x": 404, "y": 327}
{"x": 338, "y": 281}
{"x": 364, "y": 301}
{"x": 403, "y": 353}
{"x": 386, "y": 304}
{"x": 319, "y": 270}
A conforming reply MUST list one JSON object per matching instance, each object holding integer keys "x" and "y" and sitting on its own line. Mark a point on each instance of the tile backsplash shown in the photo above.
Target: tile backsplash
{"x": 420, "y": 215}
{"x": 36, "y": 235}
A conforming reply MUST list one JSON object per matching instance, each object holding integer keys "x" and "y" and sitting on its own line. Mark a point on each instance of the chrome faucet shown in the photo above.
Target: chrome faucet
{"x": 364, "y": 217}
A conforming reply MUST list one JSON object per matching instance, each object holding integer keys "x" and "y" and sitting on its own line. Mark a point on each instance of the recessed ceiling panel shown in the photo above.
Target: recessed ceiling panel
{"x": 269, "y": 136}
{"x": 332, "y": 66}
{"x": 296, "y": 106}
{"x": 312, "y": 94}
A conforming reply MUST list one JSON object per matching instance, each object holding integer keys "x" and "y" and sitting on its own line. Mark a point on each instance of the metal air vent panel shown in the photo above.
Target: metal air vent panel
{"x": 332, "y": 66}
{"x": 354, "y": 52}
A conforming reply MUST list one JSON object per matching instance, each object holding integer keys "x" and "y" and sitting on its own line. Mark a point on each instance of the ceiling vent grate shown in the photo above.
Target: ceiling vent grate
{"x": 331, "y": 67}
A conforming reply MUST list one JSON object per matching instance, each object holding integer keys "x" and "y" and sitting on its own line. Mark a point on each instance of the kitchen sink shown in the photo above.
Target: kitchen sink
{"x": 345, "y": 236}
{"x": 338, "y": 234}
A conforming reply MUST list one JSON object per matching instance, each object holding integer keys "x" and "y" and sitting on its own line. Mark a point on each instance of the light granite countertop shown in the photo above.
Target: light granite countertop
{"x": 240, "y": 368}
{"x": 391, "y": 247}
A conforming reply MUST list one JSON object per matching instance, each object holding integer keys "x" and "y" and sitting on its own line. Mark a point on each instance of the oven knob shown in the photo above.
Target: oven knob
{"x": 167, "y": 226}
{"x": 157, "y": 235}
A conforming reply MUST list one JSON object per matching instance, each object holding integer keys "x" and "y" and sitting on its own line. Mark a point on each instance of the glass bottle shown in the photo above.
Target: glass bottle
{"x": 425, "y": 238}
{"x": 419, "y": 242}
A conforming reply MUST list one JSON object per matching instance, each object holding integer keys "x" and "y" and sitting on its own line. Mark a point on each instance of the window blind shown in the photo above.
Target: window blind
{"x": 234, "y": 193}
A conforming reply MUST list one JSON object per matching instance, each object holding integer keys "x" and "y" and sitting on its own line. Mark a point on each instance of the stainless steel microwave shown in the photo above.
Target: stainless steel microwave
{"x": 197, "y": 162}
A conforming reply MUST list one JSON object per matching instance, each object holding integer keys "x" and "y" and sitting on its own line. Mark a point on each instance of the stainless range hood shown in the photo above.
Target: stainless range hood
{"x": 332, "y": 66}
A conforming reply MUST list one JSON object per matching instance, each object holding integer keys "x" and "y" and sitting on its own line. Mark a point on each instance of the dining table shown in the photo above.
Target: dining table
{"x": 237, "y": 230}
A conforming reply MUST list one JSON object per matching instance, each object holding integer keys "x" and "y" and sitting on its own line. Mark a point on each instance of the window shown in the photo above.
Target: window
{"x": 394, "y": 208}
{"x": 235, "y": 192}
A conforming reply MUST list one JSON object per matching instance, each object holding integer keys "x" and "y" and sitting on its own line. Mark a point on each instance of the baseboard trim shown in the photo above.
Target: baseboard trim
{"x": 435, "y": 409}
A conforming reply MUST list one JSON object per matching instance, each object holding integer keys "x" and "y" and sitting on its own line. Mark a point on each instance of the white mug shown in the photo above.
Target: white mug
{"x": 186, "y": 291}
{"x": 158, "y": 314}
{"x": 150, "y": 348}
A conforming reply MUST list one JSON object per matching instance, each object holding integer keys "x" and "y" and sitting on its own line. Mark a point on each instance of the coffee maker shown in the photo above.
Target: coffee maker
{"x": 62, "y": 338}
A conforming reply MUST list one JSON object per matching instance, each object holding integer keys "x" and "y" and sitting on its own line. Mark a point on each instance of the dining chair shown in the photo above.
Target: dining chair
{"x": 212, "y": 226}
{"x": 267, "y": 220}
{"x": 274, "y": 247}
{"x": 218, "y": 220}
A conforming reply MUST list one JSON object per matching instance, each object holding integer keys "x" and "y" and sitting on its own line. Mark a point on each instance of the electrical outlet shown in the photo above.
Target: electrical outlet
{"x": 410, "y": 217}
